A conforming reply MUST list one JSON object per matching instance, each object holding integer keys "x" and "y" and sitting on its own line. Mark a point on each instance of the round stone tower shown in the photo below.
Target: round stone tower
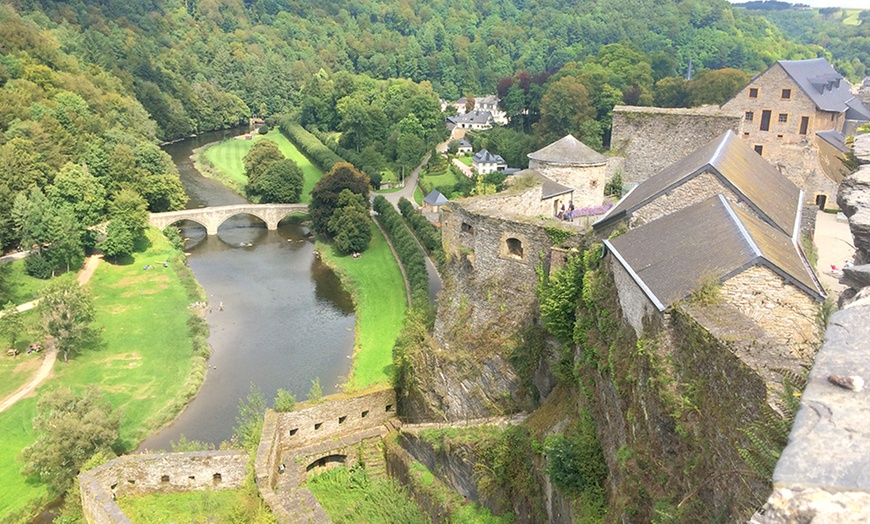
{"x": 572, "y": 163}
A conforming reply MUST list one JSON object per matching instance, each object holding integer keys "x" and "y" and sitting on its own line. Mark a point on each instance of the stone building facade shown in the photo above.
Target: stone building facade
{"x": 783, "y": 110}
{"x": 693, "y": 191}
{"x": 786, "y": 314}
{"x": 652, "y": 138}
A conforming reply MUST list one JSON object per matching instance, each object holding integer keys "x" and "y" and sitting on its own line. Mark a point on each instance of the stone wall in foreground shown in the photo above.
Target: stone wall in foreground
{"x": 157, "y": 473}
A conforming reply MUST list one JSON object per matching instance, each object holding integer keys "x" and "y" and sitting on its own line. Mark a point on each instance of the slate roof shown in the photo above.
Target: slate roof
{"x": 474, "y": 117}
{"x": 668, "y": 258}
{"x": 856, "y": 110}
{"x": 485, "y": 157}
{"x": 464, "y": 143}
{"x": 737, "y": 166}
{"x": 435, "y": 198}
{"x": 568, "y": 150}
{"x": 549, "y": 188}
{"x": 836, "y": 139}
{"x": 821, "y": 82}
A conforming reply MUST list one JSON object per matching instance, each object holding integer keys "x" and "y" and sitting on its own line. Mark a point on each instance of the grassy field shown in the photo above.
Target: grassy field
{"x": 430, "y": 182}
{"x": 19, "y": 287}
{"x": 145, "y": 363}
{"x": 378, "y": 289}
{"x": 351, "y": 497}
{"x": 227, "y": 157}
{"x": 850, "y": 16}
{"x": 465, "y": 160}
{"x": 225, "y": 506}
{"x": 15, "y": 372}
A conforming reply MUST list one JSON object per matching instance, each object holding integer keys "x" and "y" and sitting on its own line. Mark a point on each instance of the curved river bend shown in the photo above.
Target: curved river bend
{"x": 286, "y": 319}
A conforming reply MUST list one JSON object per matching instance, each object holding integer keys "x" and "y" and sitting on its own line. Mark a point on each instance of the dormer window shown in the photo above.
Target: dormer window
{"x": 753, "y": 92}
{"x": 786, "y": 94}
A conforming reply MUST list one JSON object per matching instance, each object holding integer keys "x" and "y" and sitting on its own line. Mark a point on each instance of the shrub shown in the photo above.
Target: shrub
{"x": 427, "y": 233}
{"x": 284, "y": 401}
{"x": 309, "y": 144}
{"x": 407, "y": 248}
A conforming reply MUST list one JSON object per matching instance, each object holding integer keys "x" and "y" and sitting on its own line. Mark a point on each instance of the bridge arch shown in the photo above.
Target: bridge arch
{"x": 200, "y": 223}
{"x": 244, "y": 212}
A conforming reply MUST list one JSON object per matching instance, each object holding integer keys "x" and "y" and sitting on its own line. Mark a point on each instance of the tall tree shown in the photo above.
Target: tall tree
{"x": 262, "y": 154}
{"x": 564, "y": 107}
{"x": 72, "y": 428}
{"x": 10, "y": 323}
{"x": 325, "y": 195}
{"x": 350, "y": 225}
{"x": 281, "y": 182}
{"x": 67, "y": 313}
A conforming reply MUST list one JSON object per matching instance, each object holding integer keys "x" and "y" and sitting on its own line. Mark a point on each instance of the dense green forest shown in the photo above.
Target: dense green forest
{"x": 88, "y": 87}
{"x": 845, "y": 35}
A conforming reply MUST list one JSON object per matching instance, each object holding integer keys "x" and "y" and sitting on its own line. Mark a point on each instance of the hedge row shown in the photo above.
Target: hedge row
{"x": 309, "y": 144}
{"x": 348, "y": 154}
{"x": 407, "y": 248}
{"x": 427, "y": 233}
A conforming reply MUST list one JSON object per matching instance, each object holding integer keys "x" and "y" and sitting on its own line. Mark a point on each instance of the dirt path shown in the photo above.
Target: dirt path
{"x": 44, "y": 370}
{"x": 834, "y": 242}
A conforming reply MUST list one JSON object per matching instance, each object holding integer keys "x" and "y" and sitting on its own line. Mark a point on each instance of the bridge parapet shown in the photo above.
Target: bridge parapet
{"x": 211, "y": 218}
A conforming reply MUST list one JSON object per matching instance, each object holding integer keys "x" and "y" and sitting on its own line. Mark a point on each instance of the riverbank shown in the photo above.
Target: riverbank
{"x": 378, "y": 290}
{"x": 223, "y": 161}
{"x": 149, "y": 363}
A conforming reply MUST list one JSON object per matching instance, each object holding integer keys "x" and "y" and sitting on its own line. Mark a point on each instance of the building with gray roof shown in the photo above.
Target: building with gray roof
{"x": 725, "y": 165}
{"x": 786, "y": 107}
{"x": 572, "y": 163}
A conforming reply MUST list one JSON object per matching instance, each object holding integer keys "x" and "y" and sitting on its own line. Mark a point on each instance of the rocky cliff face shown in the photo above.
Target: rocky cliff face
{"x": 854, "y": 199}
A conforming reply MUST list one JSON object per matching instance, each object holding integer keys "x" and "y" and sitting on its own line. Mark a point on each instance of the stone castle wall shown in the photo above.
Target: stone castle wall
{"x": 786, "y": 313}
{"x": 652, "y": 138}
{"x": 157, "y": 473}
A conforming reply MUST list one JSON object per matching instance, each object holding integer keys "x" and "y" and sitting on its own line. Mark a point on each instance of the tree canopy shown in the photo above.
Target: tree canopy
{"x": 326, "y": 195}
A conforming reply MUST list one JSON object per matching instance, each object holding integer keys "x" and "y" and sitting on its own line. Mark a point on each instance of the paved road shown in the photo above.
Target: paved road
{"x": 834, "y": 242}
{"x": 51, "y": 353}
{"x": 14, "y": 256}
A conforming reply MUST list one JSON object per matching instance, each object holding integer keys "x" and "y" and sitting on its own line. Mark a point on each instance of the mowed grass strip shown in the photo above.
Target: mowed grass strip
{"x": 227, "y": 157}
{"x": 378, "y": 290}
{"x": 144, "y": 364}
{"x": 217, "y": 507}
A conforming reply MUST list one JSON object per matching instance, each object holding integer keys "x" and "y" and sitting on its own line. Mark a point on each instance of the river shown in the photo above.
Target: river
{"x": 285, "y": 320}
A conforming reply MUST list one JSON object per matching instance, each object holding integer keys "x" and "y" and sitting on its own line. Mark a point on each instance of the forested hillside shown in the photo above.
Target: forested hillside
{"x": 98, "y": 83}
{"x": 845, "y": 34}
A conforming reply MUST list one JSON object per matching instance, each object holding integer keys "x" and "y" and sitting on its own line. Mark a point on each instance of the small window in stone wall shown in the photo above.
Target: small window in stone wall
{"x": 317, "y": 425}
{"x": 131, "y": 482}
{"x": 593, "y": 184}
{"x": 467, "y": 228}
{"x": 216, "y": 478}
{"x": 748, "y": 116}
{"x": 783, "y": 118}
{"x": 113, "y": 486}
{"x": 515, "y": 247}
{"x": 191, "y": 477}
{"x": 364, "y": 414}
{"x": 293, "y": 431}
{"x": 388, "y": 408}
{"x": 342, "y": 419}
{"x": 753, "y": 92}
{"x": 786, "y": 94}
{"x": 164, "y": 479}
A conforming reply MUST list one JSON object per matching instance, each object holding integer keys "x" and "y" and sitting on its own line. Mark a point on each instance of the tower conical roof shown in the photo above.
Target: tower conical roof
{"x": 568, "y": 150}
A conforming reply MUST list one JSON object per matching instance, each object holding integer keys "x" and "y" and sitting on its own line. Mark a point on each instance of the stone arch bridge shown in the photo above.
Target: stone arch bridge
{"x": 212, "y": 217}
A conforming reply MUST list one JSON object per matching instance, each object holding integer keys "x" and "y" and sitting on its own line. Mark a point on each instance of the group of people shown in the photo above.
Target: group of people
{"x": 567, "y": 215}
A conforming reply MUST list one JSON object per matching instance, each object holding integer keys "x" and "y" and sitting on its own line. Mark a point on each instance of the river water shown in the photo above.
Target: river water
{"x": 285, "y": 320}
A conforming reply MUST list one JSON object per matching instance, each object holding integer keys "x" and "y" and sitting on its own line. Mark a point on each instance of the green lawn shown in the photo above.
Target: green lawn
{"x": 227, "y": 157}
{"x": 351, "y": 497}
{"x": 465, "y": 160}
{"x": 225, "y": 506}
{"x": 380, "y": 301}
{"x": 430, "y": 182}
{"x": 15, "y": 372}
{"x": 418, "y": 196}
{"x": 19, "y": 287}
{"x": 145, "y": 364}
{"x": 850, "y": 16}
